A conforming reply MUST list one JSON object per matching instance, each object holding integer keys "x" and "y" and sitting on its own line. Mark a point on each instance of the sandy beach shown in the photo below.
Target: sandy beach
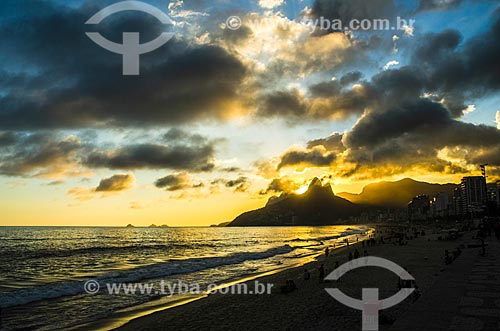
{"x": 310, "y": 307}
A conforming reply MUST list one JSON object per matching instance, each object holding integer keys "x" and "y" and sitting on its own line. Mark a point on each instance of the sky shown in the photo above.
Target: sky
{"x": 223, "y": 116}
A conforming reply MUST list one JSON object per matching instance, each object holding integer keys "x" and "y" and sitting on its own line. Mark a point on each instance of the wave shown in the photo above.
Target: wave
{"x": 46, "y": 253}
{"x": 157, "y": 270}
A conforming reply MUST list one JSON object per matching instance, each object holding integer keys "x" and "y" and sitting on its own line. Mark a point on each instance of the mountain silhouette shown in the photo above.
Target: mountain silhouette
{"x": 317, "y": 206}
{"x": 396, "y": 194}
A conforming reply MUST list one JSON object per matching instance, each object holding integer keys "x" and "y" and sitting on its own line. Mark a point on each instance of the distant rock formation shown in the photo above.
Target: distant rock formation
{"x": 317, "y": 206}
{"x": 220, "y": 225}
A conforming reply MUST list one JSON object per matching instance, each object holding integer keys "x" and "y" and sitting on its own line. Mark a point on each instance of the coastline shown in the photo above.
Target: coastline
{"x": 310, "y": 307}
{"x": 122, "y": 317}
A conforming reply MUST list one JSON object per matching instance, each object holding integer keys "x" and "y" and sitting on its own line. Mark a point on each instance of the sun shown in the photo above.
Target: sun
{"x": 302, "y": 190}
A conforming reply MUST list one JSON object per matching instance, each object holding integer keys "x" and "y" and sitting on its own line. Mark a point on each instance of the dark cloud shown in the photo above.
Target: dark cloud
{"x": 426, "y": 5}
{"x": 313, "y": 157}
{"x": 326, "y": 100}
{"x": 116, "y": 183}
{"x": 50, "y": 155}
{"x": 240, "y": 184}
{"x": 174, "y": 182}
{"x": 282, "y": 104}
{"x": 82, "y": 84}
{"x": 456, "y": 72}
{"x": 7, "y": 138}
{"x": 410, "y": 114}
{"x": 280, "y": 185}
{"x": 182, "y": 151}
{"x": 375, "y": 128}
{"x": 434, "y": 47}
{"x": 332, "y": 143}
{"x": 347, "y": 10}
{"x": 237, "y": 36}
{"x": 350, "y": 77}
{"x": 326, "y": 89}
{"x": 150, "y": 156}
{"x": 40, "y": 154}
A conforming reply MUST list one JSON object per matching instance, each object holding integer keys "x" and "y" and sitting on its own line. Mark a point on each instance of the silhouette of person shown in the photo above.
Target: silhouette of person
{"x": 321, "y": 273}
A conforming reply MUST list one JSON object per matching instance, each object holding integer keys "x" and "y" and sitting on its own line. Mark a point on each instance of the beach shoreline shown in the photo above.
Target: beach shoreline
{"x": 423, "y": 255}
{"x": 122, "y": 317}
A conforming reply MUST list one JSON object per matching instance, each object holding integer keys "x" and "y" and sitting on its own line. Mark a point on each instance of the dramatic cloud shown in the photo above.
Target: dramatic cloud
{"x": 54, "y": 155}
{"x": 71, "y": 82}
{"x": 280, "y": 185}
{"x": 375, "y": 128}
{"x": 326, "y": 100}
{"x": 315, "y": 157}
{"x": 116, "y": 183}
{"x": 332, "y": 143}
{"x": 150, "y": 156}
{"x": 40, "y": 155}
{"x": 181, "y": 151}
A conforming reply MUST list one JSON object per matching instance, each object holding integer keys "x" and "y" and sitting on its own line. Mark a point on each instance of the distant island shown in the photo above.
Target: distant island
{"x": 151, "y": 226}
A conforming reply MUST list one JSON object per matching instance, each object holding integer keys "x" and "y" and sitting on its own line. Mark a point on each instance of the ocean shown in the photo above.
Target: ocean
{"x": 43, "y": 270}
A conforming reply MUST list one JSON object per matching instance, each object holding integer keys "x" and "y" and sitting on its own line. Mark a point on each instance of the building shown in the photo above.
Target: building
{"x": 493, "y": 193}
{"x": 440, "y": 204}
{"x": 474, "y": 193}
{"x": 419, "y": 208}
{"x": 457, "y": 203}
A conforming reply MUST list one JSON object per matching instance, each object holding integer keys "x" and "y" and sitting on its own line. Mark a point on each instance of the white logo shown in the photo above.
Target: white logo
{"x": 233, "y": 23}
{"x": 131, "y": 49}
{"x": 370, "y": 305}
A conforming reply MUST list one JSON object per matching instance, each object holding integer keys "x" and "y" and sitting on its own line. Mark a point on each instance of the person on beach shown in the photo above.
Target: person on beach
{"x": 350, "y": 256}
{"x": 321, "y": 273}
{"x": 327, "y": 251}
{"x": 307, "y": 275}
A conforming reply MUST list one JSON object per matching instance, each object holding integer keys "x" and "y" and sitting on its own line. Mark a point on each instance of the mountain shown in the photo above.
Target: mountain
{"x": 317, "y": 206}
{"x": 396, "y": 194}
